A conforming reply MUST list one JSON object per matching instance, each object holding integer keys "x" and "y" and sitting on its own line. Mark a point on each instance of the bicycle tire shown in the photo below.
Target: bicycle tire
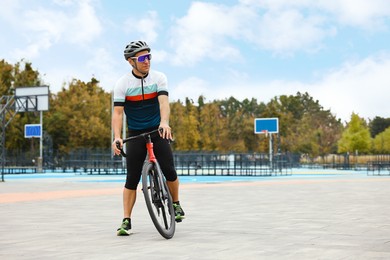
{"x": 160, "y": 206}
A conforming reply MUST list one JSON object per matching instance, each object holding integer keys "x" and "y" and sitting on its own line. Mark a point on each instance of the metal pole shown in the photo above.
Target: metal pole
{"x": 41, "y": 139}
{"x": 3, "y": 151}
{"x": 112, "y": 113}
{"x": 270, "y": 151}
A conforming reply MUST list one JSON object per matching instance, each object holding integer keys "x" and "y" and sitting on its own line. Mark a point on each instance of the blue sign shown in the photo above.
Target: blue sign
{"x": 34, "y": 130}
{"x": 269, "y": 125}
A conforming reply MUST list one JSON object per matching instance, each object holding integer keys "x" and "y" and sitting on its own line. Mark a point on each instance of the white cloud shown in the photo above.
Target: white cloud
{"x": 281, "y": 26}
{"x": 57, "y": 77}
{"x": 85, "y": 26}
{"x": 64, "y": 2}
{"x": 102, "y": 66}
{"x": 290, "y": 30}
{"x": 359, "y": 13}
{"x": 159, "y": 56}
{"x": 357, "y": 86}
{"x": 368, "y": 15}
{"x": 192, "y": 87}
{"x": 8, "y": 10}
{"x": 44, "y": 27}
{"x": 210, "y": 30}
{"x": 33, "y": 49}
{"x": 105, "y": 68}
{"x": 146, "y": 27}
{"x": 203, "y": 30}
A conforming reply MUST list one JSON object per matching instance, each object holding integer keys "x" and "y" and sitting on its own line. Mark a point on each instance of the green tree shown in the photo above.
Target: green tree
{"x": 21, "y": 74}
{"x": 232, "y": 136}
{"x": 191, "y": 124}
{"x": 25, "y": 75}
{"x": 178, "y": 128}
{"x": 6, "y": 77}
{"x": 381, "y": 142}
{"x": 378, "y": 125}
{"x": 185, "y": 125}
{"x": 80, "y": 117}
{"x": 318, "y": 133}
{"x": 210, "y": 127}
{"x": 304, "y": 125}
{"x": 356, "y": 136}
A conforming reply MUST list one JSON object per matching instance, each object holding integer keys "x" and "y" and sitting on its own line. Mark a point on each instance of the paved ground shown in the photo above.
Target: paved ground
{"x": 325, "y": 216}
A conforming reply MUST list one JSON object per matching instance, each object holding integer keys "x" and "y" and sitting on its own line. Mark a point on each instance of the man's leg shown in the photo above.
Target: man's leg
{"x": 137, "y": 150}
{"x": 129, "y": 197}
{"x": 173, "y": 187}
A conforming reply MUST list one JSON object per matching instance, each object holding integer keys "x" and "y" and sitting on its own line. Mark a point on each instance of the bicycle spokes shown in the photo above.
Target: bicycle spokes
{"x": 158, "y": 200}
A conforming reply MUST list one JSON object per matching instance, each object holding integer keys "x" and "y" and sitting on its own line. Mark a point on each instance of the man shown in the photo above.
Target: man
{"x": 143, "y": 95}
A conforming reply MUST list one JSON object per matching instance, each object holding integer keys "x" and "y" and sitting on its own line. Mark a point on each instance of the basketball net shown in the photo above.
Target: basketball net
{"x": 265, "y": 132}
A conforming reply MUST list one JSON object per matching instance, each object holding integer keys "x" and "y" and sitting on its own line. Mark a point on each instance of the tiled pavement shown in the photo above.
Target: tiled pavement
{"x": 337, "y": 216}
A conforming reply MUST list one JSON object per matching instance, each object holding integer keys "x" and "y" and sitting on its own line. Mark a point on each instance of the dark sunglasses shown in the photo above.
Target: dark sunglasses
{"x": 142, "y": 58}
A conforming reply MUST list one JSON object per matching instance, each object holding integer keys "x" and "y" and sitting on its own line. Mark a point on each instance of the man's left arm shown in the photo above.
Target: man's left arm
{"x": 164, "y": 114}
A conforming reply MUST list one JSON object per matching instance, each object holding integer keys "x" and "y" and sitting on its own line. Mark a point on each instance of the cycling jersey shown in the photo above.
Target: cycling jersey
{"x": 140, "y": 98}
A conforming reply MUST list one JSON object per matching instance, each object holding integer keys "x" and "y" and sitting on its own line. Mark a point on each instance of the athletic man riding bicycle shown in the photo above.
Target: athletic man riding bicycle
{"x": 143, "y": 95}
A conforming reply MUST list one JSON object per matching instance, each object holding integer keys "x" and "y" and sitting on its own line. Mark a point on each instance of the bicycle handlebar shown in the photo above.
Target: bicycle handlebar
{"x": 144, "y": 135}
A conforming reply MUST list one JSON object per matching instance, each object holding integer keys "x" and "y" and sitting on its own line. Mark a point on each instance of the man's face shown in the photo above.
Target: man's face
{"x": 141, "y": 61}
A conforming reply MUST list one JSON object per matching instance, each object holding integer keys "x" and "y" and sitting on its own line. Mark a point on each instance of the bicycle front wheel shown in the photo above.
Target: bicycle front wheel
{"x": 158, "y": 199}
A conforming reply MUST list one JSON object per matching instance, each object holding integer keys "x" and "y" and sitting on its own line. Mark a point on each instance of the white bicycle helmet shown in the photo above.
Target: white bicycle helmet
{"x": 134, "y": 47}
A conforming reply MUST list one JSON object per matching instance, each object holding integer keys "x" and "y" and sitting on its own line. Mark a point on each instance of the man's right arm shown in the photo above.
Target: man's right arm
{"x": 117, "y": 119}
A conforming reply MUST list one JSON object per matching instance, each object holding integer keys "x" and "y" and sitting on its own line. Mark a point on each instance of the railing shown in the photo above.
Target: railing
{"x": 378, "y": 167}
{"x": 87, "y": 162}
{"x": 198, "y": 163}
{"x": 230, "y": 164}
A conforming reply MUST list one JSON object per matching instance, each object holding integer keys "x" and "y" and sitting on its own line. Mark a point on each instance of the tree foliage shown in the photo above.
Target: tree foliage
{"x": 378, "y": 125}
{"x": 381, "y": 142}
{"x": 80, "y": 117}
{"x": 305, "y": 127}
{"x": 21, "y": 74}
{"x": 356, "y": 137}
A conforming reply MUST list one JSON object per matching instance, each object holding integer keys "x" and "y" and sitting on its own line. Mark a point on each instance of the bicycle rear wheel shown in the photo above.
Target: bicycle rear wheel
{"x": 158, "y": 199}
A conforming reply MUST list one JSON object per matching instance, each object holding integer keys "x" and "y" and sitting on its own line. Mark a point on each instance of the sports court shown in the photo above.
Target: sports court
{"x": 311, "y": 214}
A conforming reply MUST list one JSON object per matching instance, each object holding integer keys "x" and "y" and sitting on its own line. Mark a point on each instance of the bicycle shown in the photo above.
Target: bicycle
{"x": 157, "y": 196}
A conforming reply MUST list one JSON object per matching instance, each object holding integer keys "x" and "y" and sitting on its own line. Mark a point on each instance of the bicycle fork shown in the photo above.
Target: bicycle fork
{"x": 157, "y": 177}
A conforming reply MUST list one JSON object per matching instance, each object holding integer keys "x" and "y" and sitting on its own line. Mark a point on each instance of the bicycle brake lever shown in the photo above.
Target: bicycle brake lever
{"x": 118, "y": 145}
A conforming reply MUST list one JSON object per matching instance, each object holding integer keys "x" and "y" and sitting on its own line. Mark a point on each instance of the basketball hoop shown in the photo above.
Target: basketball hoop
{"x": 265, "y": 132}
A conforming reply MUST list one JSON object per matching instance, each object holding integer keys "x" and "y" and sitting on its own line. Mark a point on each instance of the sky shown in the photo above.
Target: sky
{"x": 338, "y": 51}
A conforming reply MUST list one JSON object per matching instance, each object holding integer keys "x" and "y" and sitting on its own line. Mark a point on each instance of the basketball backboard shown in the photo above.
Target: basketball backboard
{"x": 32, "y": 99}
{"x": 33, "y": 130}
{"x": 266, "y": 125}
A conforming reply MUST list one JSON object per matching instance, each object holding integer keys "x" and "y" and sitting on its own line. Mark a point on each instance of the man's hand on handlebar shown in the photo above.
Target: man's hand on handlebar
{"x": 117, "y": 145}
{"x": 165, "y": 131}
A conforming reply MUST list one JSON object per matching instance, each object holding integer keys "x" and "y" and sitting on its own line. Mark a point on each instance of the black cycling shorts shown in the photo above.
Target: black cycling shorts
{"x": 136, "y": 154}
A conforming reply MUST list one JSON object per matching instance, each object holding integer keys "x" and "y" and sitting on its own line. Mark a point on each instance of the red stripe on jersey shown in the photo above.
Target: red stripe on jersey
{"x": 139, "y": 97}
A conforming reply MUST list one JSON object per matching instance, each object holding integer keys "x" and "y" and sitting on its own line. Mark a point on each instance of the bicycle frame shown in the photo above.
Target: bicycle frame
{"x": 149, "y": 149}
{"x": 152, "y": 159}
{"x": 150, "y": 153}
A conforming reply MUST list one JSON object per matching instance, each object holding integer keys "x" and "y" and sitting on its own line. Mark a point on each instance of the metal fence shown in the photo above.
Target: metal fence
{"x": 379, "y": 166}
{"x": 248, "y": 164}
{"x": 87, "y": 161}
{"x": 92, "y": 161}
